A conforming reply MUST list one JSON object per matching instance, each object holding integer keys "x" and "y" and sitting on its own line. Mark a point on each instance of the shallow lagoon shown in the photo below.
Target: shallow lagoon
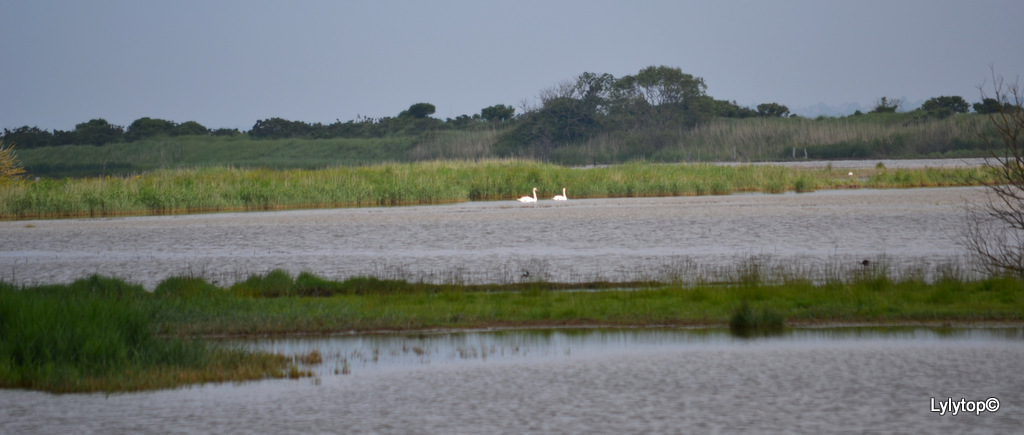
{"x": 497, "y": 242}
{"x": 652, "y": 380}
{"x": 542, "y": 381}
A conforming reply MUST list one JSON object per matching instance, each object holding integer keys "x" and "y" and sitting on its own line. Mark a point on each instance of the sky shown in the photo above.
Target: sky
{"x": 227, "y": 63}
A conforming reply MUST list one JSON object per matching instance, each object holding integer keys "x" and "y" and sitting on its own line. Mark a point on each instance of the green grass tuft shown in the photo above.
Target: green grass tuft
{"x": 97, "y": 334}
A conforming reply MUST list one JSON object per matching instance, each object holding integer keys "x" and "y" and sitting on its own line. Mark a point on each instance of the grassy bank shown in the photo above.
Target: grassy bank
{"x": 97, "y": 334}
{"x": 107, "y": 335}
{"x": 277, "y": 303}
{"x": 226, "y": 189}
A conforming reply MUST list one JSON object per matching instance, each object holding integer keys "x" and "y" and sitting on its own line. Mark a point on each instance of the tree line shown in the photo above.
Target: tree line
{"x": 648, "y": 109}
{"x": 412, "y": 121}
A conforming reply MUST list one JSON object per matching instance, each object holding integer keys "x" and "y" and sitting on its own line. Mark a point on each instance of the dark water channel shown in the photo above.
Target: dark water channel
{"x": 660, "y": 381}
{"x": 577, "y": 240}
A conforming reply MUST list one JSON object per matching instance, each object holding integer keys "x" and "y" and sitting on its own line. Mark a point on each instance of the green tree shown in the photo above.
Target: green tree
{"x": 658, "y": 97}
{"x": 594, "y": 90}
{"x": 663, "y": 85}
{"x": 97, "y": 132}
{"x": 497, "y": 113}
{"x": 146, "y": 127}
{"x": 225, "y": 132}
{"x": 886, "y": 105}
{"x": 772, "y": 110}
{"x": 570, "y": 111}
{"x": 413, "y": 121}
{"x": 565, "y": 120}
{"x": 945, "y": 106}
{"x": 955, "y": 104}
{"x": 28, "y": 137}
{"x": 706, "y": 108}
{"x": 278, "y": 128}
{"x": 987, "y": 106}
{"x": 464, "y": 121}
{"x": 559, "y": 121}
{"x": 419, "y": 111}
{"x": 191, "y": 128}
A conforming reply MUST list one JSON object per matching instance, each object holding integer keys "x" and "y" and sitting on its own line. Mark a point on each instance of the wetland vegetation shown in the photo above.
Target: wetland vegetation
{"x": 758, "y": 139}
{"x": 660, "y": 114}
{"x": 659, "y": 127}
{"x": 226, "y": 189}
{"x": 104, "y": 334}
{"x": 97, "y": 334}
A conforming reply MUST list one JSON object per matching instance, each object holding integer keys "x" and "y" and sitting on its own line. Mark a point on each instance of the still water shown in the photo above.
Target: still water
{"x": 574, "y": 381}
{"x": 660, "y": 381}
{"x": 487, "y": 242}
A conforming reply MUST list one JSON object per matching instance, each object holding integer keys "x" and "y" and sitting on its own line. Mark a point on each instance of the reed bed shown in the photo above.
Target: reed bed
{"x": 97, "y": 334}
{"x": 874, "y": 136}
{"x": 871, "y": 297}
{"x": 455, "y": 145}
{"x": 393, "y": 184}
{"x": 183, "y": 152}
{"x": 277, "y": 303}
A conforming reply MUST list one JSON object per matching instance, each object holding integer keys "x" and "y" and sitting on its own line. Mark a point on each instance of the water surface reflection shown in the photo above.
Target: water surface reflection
{"x": 385, "y": 351}
{"x": 808, "y": 381}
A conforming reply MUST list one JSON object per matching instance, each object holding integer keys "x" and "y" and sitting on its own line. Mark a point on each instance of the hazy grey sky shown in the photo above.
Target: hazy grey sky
{"x": 230, "y": 63}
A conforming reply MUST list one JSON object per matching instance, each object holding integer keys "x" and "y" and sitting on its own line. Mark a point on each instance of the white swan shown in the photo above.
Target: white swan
{"x": 530, "y": 198}
{"x": 561, "y": 197}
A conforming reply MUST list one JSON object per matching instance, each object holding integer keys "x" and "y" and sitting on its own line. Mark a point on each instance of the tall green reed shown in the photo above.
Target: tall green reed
{"x": 227, "y": 189}
{"x": 100, "y": 334}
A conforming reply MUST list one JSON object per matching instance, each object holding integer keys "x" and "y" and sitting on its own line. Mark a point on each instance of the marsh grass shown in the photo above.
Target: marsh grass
{"x": 97, "y": 334}
{"x": 276, "y": 303}
{"x": 455, "y": 145}
{"x": 193, "y": 152}
{"x": 229, "y": 189}
{"x": 104, "y": 334}
{"x": 279, "y": 283}
{"x": 804, "y": 185}
{"x": 873, "y": 136}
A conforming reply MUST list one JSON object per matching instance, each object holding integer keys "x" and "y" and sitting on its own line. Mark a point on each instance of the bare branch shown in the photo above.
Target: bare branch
{"x": 994, "y": 230}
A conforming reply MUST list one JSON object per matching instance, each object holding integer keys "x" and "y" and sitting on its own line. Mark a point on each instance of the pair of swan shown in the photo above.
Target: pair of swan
{"x": 533, "y": 198}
